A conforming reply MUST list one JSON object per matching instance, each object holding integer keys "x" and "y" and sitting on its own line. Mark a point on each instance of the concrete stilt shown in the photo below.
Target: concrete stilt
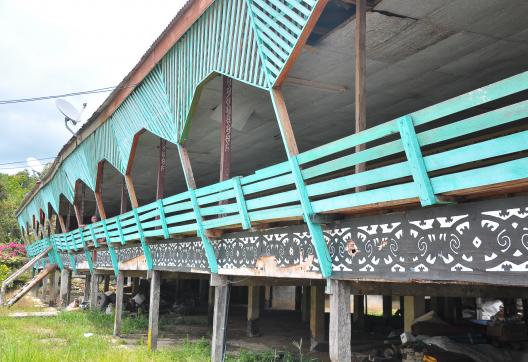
{"x": 414, "y": 307}
{"x": 317, "y": 320}
{"x": 119, "y": 303}
{"x": 94, "y": 291}
{"x": 65, "y": 287}
{"x": 221, "y": 306}
{"x": 152, "y": 339}
{"x": 340, "y": 326}
{"x": 253, "y": 311}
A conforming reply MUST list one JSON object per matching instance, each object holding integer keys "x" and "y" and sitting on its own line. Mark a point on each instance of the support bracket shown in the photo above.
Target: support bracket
{"x": 415, "y": 160}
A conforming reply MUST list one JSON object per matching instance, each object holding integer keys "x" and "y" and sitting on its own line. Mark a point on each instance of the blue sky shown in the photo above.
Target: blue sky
{"x": 58, "y": 46}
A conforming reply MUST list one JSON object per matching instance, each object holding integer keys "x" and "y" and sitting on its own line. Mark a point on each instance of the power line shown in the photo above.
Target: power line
{"x": 34, "y": 99}
{"x": 38, "y": 159}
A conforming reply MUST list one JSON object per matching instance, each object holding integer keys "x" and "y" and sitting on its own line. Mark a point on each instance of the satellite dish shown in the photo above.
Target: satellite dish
{"x": 68, "y": 110}
{"x": 71, "y": 114}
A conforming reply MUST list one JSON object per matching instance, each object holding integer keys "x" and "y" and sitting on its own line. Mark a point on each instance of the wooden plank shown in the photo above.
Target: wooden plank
{"x": 153, "y": 323}
{"x": 94, "y": 290}
{"x": 414, "y": 307}
{"x": 119, "y": 303}
{"x": 340, "y": 325}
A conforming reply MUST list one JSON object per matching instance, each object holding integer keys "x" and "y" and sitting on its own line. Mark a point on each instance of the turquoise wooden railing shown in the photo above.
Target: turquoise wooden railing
{"x": 328, "y": 173}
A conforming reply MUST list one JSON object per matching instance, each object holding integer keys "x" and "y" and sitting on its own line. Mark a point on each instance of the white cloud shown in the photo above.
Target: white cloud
{"x": 58, "y": 46}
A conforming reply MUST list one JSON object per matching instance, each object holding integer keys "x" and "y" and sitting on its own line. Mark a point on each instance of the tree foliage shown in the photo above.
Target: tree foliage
{"x": 13, "y": 188}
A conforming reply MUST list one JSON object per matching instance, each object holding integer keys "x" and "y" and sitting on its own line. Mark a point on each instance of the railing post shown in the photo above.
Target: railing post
{"x": 111, "y": 251}
{"x": 241, "y": 202}
{"x": 143, "y": 240}
{"x": 415, "y": 160}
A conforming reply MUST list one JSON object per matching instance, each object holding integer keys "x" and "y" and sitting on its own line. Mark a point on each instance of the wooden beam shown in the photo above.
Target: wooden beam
{"x": 316, "y": 13}
{"x": 62, "y": 224}
{"x": 119, "y": 303}
{"x": 162, "y": 166}
{"x": 123, "y": 204}
{"x": 94, "y": 290}
{"x": 131, "y": 191}
{"x": 128, "y": 173}
{"x": 414, "y": 307}
{"x": 225, "y": 130}
{"x": 284, "y": 122}
{"x": 98, "y": 190}
{"x": 340, "y": 326}
{"x": 317, "y": 318}
{"x": 153, "y": 323}
{"x": 221, "y": 307}
{"x": 360, "y": 76}
{"x": 65, "y": 288}
{"x": 335, "y": 88}
{"x": 253, "y": 311}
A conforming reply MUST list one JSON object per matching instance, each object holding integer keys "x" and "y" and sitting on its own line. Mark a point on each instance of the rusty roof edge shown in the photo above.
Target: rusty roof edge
{"x": 86, "y": 129}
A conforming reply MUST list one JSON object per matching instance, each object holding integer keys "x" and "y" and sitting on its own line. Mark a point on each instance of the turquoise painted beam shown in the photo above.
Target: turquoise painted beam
{"x": 163, "y": 219}
{"x": 416, "y": 162}
{"x": 241, "y": 203}
{"x": 208, "y": 247}
{"x": 87, "y": 254}
{"x": 143, "y": 240}
{"x": 111, "y": 250}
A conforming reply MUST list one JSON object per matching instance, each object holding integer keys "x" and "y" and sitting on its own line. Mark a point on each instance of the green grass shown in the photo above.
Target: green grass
{"x": 61, "y": 338}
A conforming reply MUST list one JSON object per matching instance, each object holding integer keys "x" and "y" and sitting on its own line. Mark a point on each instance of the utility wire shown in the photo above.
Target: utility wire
{"x": 38, "y": 159}
{"x": 34, "y": 99}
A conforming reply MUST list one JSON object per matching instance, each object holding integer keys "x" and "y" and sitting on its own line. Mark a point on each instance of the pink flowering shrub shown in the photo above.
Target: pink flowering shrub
{"x": 12, "y": 254}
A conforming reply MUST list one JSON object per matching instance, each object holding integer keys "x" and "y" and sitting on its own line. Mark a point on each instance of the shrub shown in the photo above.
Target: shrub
{"x": 4, "y": 272}
{"x": 12, "y": 254}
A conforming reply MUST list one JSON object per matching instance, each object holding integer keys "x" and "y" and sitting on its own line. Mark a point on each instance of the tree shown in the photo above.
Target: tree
{"x": 13, "y": 188}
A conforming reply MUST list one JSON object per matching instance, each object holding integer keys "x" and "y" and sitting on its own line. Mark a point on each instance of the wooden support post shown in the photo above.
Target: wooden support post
{"x": 414, "y": 308}
{"x": 131, "y": 191}
{"x": 253, "y": 311}
{"x": 340, "y": 327}
{"x": 360, "y": 77}
{"x": 162, "y": 166}
{"x": 387, "y": 307}
{"x": 305, "y": 304}
{"x": 152, "y": 339}
{"x": 298, "y": 298}
{"x": 86, "y": 289}
{"x": 225, "y": 132}
{"x": 119, "y": 303}
{"x": 123, "y": 205}
{"x": 45, "y": 289}
{"x": 221, "y": 307}
{"x": 55, "y": 288}
{"x": 65, "y": 287}
{"x": 94, "y": 291}
{"x": 359, "y": 311}
{"x": 106, "y": 284}
{"x": 478, "y": 307}
{"x": 317, "y": 319}
{"x": 210, "y": 305}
